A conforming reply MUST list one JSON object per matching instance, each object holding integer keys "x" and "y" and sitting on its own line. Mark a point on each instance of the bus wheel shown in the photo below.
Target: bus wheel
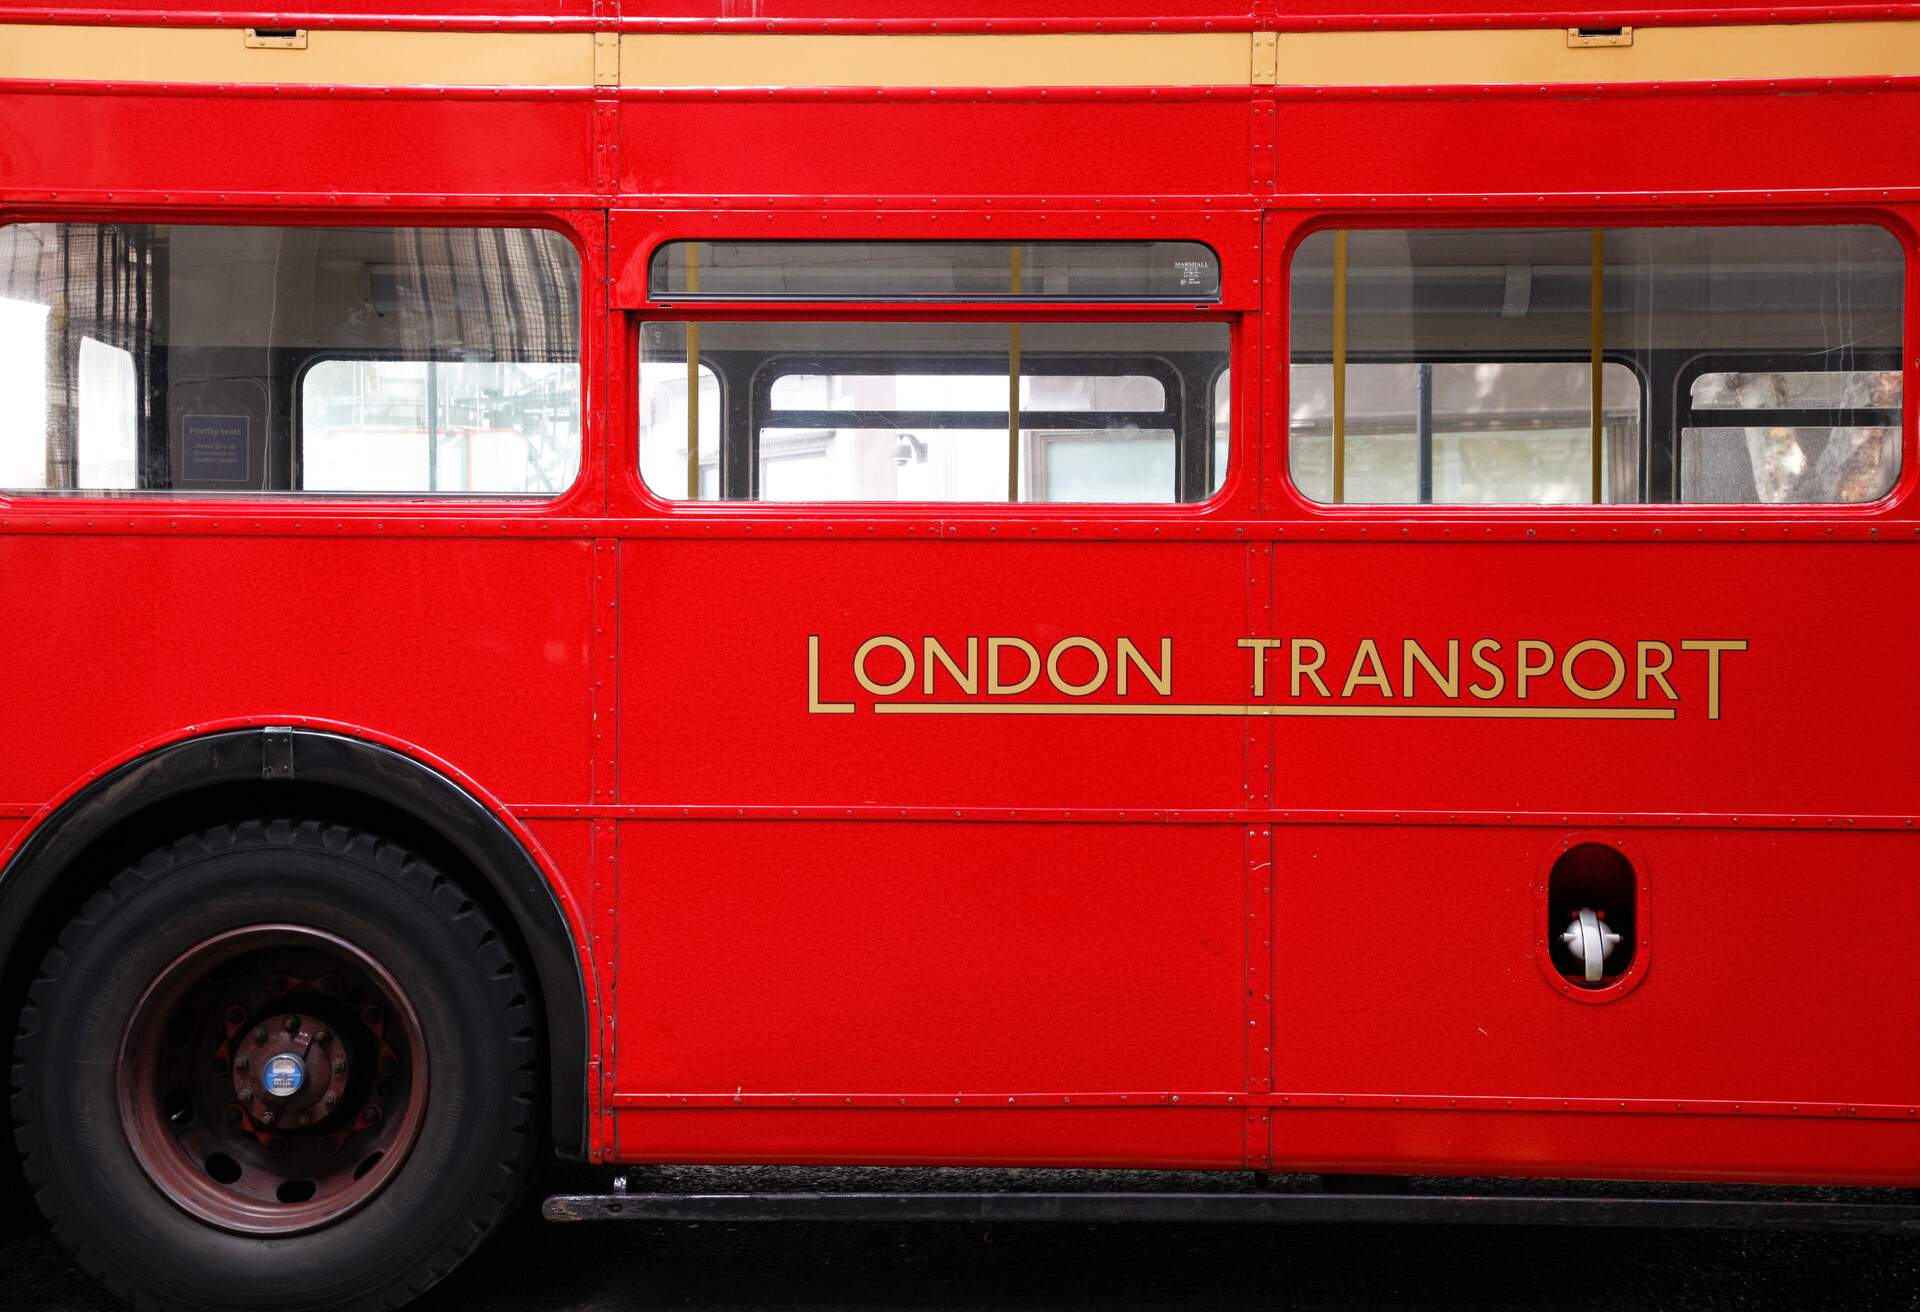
{"x": 248, "y": 1038}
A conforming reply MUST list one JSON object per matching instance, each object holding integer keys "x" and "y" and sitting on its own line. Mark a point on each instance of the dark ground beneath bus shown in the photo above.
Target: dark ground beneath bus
{"x": 536, "y": 1266}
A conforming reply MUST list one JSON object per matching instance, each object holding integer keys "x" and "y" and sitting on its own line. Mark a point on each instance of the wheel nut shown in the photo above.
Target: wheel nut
{"x": 330, "y": 1100}
{"x": 371, "y": 1015}
{"x": 276, "y": 1146}
{"x": 303, "y": 1120}
{"x": 339, "y": 1065}
{"x": 246, "y": 1094}
{"x": 277, "y": 985}
{"x": 371, "y": 1116}
{"x": 240, "y": 1064}
{"x": 236, "y": 1015}
{"x": 260, "y": 1036}
{"x": 291, "y": 1024}
{"x": 330, "y": 984}
{"x": 322, "y": 1036}
{"x": 265, "y": 1115}
{"x": 389, "y": 1065}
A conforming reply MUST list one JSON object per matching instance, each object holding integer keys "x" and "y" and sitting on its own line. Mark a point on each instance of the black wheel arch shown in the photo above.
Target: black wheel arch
{"x": 265, "y": 760}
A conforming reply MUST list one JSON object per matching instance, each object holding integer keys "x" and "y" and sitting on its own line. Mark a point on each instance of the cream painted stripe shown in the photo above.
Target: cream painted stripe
{"x": 758, "y": 60}
{"x": 332, "y": 58}
{"x": 1669, "y": 54}
{"x": 1085, "y": 59}
{"x": 1359, "y": 59}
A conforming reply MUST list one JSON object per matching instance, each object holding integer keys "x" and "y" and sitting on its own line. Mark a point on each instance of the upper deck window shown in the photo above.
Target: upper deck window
{"x": 167, "y": 358}
{"x": 1756, "y": 365}
{"x": 1178, "y": 271}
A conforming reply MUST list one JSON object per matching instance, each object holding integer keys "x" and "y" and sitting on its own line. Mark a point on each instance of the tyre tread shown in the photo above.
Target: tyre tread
{"x": 437, "y": 891}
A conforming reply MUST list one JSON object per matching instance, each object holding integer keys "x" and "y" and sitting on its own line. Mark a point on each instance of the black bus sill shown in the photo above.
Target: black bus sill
{"x": 1290, "y": 1208}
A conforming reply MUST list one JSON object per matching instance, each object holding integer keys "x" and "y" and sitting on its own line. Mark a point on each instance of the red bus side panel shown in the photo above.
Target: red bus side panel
{"x": 930, "y": 958}
{"x": 1407, "y": 963}
{"x": 475, "y": 649}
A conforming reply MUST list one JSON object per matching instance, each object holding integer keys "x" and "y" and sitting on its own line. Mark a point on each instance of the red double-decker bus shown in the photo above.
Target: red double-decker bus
{"x": 1145, "y": 583}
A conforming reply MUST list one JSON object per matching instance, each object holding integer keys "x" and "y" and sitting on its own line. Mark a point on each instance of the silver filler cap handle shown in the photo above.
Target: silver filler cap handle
{"x": 1590, "y": 942}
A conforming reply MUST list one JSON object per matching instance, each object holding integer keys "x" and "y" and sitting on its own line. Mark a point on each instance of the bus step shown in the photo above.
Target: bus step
{"x": 1291, "y": 1208}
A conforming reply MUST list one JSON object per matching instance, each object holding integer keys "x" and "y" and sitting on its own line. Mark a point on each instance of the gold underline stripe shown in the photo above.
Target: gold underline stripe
{"x": 1312, "y": 712}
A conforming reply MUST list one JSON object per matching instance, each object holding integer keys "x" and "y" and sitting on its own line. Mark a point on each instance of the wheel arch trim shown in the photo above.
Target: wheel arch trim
{"x": 428, "y": 794}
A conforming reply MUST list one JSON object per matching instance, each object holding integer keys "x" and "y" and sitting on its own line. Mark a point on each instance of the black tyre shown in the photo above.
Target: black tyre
{"x": 277, "y": 1064}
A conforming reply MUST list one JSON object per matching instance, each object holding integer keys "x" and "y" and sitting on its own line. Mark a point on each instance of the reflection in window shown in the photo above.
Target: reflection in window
{"x": 432, "y": 426}
{"x": 1781, "y": 436}
{"x": 936, "y": 412}
{"x": 109, "y": 417}
{"x": 1737, "y": 365}
{"x": 664, "y": 414}
{"x": 23, "y": 393}
{"x": 167, "y": 358}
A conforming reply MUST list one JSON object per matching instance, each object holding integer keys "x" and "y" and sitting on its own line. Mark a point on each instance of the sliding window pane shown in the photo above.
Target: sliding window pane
{"x": 935, "y": 271}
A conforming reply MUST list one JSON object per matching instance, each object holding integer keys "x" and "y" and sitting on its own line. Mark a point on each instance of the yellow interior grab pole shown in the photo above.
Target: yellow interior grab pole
{"x": 1340, "y": 366}
{"x": 693, "y": 379}
{"x": 1597, "y": 332}
{"x": 1017, "y": 280}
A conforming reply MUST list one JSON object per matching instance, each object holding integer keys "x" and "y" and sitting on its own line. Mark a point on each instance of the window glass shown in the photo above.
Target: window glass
{"x": 1739, "y": 365}
{"x": 158, "y": 358}
{"x": 1780, "y": 389}
{"x": 433, "y": 426}
{"x": 1786, "y": 464}
{"x": 109, "y": 456}
{"x": 1497, "y": 432}
{"x": 935, "y": 270}
{"x": 664, "y": 414}
{"x": 953, "y": 412}
{"x": 1222, "y": 423}
{"x": 1776, "y": 435}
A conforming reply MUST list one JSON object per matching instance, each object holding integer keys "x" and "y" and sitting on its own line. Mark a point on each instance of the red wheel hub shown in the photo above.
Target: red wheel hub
{"x": 292, "y": 1070}
{"x": 272, "y": 1079}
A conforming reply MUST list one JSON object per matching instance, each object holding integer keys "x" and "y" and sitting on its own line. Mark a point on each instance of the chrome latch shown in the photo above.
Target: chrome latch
{"x": 1590, "y": 942}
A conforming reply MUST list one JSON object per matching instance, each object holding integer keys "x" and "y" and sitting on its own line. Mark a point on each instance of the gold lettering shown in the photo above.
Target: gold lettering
{"x": 1658, "y": 673}
{"x": 891, "y": 644}
{"x": 1259, "y": 647}
{"x": 1411, "y": 653}
{"x": 1072, "y": 644}
{"x": 1367, "y": 654}
{"x": 814, "y": 705}
{"x": 968, "y": 679}
{"x": 996, "y": 687}
{"x": 1162, "y": 680}
{"x": 1528, "y": 670}
{"x": 1572, "y": 680}
{"x": 1499, "y": 684}
{"x": 1311, "y": 669}
{"x": 1713, "y": 647}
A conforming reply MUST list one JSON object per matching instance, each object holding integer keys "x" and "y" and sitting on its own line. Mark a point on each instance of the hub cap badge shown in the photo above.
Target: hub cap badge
{"x": 283, "y": 1075}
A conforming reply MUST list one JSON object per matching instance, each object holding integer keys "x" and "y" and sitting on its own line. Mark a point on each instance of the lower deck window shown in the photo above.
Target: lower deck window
{"x": 934, "y": 412}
